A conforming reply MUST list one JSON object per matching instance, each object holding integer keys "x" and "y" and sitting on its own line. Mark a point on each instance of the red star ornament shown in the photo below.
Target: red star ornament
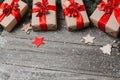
{"x": 38, "y": 41}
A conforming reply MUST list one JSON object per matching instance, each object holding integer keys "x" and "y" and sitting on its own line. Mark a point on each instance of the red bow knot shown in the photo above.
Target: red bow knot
{"x": 73, "y": 9}
{"x": 42, "y": 8}
{"x": 7, "y": 9}
{"x": 15, "y": 7}
{"x": 107, "y": 7}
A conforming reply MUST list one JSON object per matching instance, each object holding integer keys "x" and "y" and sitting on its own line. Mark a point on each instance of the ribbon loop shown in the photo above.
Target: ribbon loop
{"x": 74, "y": 9}
{"x": 107, "y": 7}
{"x": 7, "y": 9}
{"x": 42, "y": 8}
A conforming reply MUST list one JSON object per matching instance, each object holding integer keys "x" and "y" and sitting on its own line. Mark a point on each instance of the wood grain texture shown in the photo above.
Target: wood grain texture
{"x": 11, "y": 72}
{"x": 60, "y": 56}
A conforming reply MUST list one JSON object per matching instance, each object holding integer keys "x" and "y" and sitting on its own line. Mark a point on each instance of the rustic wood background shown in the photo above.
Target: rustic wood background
{"x": 63, "y": 57}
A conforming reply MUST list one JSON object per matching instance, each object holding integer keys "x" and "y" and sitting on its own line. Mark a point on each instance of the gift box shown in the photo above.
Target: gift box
{"x": 11, "y": 12}
{"x": 75, "y": 14}
{"x": 44, "y": 15}
{"x": 107, "y": 17}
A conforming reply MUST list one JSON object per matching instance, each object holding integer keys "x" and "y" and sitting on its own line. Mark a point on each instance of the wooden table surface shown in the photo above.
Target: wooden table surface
{"x": 62, "y": 57}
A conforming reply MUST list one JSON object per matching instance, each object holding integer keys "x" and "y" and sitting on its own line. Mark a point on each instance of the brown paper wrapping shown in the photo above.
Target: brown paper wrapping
{"x": 51, "y": 19}
{"x": 9, "y": 22}
{"x": 71, "y": 21}
{"x": 112, "y": 26}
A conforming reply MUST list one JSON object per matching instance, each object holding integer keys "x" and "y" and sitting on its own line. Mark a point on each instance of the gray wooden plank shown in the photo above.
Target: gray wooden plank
{"x": 62, "y": 35}
{"x": 11, "y": 72}
{"x": 63, "y": 57}
{"x": 60, "y": 56}
{"x": 59, "y": 53}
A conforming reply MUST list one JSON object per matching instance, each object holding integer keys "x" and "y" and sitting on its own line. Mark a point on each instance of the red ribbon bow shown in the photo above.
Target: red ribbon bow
{"x": 42, "y": 9}
{"x": 10, "y": 9}
{"x": 73, "y": 10}
{"x": 108, "y": 8}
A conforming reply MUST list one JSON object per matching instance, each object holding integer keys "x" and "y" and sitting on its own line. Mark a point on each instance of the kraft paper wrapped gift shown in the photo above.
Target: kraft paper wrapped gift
{"x": 71, "y": 21}
{"x": 9, "y": 21}
{"x": 112, "y": 25}
{"x": 44, "y": 15}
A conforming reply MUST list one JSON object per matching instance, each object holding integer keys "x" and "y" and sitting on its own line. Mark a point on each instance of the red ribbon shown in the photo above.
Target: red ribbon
{"x": 42, "y": 9}
{"x": 73, "y": 10}
{"x": 108, "y": 8}
{"x": 10, "y": 9}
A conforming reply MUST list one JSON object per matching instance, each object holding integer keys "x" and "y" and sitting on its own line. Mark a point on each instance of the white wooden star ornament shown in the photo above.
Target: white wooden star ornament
{"x": 106, "y": 49}
{"x": 88, "y": 39}
{"x": 27, "y": 28}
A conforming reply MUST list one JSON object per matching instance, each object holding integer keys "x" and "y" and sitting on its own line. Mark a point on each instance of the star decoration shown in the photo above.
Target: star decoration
{"x": 88, "y": 39}
{"x": 38, "y": 41}
{"x": 27, "y": 28}
{"x": 106, "y": 49}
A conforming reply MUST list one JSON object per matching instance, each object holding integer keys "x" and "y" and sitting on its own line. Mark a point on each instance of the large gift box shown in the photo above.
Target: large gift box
{"x": 44, "y": 15}
{"x": 107, "y": 17}
{"x": 75, "y": 14}
{"x": 11, "y": 12}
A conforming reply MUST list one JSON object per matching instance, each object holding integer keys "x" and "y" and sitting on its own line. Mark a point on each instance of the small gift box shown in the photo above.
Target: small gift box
{"x": 11, "y": 12}
{"x": 44, "y": 15}
{"x": 75, "y": 14}
{"x": 107, "y": 17}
